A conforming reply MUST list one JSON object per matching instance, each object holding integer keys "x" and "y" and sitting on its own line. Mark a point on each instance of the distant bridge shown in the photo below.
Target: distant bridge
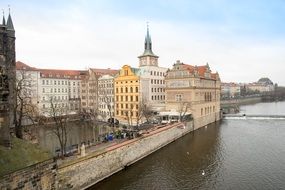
{"x": 253, "y": 116}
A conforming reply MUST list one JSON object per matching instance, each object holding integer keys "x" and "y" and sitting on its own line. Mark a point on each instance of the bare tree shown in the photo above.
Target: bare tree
{"x": 58, "y": 117}
{"x": 183, "y": 108}
{"x": 25, "y": 111}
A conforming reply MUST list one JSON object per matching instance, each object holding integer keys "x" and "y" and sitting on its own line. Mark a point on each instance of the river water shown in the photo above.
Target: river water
{"x": 234, "y": 154}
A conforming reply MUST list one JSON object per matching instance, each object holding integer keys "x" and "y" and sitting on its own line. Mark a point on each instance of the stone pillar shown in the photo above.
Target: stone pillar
{"x": 82, "y": 150}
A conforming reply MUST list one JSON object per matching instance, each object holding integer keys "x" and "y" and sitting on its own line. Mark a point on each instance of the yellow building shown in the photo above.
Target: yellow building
{"x": 127, "y": 97}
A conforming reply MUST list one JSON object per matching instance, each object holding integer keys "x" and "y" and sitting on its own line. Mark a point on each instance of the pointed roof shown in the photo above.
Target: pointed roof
{"x": 3, "y": 20}
{"x": 10, "y": 25}
{"x": 148, "y": 45}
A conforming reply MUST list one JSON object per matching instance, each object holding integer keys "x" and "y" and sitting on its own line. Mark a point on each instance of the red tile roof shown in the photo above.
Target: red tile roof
{"x": 201, "y": 70}
{"x": 104, "y": 71}
{"x": 22, "y": 66}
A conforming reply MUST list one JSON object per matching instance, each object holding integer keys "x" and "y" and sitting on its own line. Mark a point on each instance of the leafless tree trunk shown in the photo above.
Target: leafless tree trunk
{"x": 58, "y": 116}
{"x": 183, "y": 108}
{"x": 24, "y": 109}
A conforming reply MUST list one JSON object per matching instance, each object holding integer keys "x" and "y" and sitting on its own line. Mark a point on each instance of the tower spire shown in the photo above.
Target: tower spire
{"x": 3, "y": 20}
{"x": 148, "y": 58}
{"x": 10, "y": 25}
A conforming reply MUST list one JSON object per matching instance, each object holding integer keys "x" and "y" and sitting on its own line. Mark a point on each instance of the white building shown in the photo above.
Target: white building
{"x": 106, "y": 96}
{"x": 60, "y": 87}
{"x": 152, "y": 77}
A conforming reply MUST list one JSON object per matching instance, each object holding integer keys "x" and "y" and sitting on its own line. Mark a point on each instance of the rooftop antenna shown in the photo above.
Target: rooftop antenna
{"x": 9, "y": 8}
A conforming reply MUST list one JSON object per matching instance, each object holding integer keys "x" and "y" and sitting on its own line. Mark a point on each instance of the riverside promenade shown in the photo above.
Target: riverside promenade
{"x": 101, "y": 161}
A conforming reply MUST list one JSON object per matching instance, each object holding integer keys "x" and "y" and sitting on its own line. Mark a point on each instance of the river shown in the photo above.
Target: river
{"x": 234, "y": 154}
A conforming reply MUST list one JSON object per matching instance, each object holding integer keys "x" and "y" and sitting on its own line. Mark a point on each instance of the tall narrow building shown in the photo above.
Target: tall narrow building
{"x": 152, "y": 81}
{"x": 7, "y": 79}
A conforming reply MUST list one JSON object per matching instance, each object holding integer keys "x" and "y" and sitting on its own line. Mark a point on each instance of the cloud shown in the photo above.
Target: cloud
{"x": 103, "y": 34}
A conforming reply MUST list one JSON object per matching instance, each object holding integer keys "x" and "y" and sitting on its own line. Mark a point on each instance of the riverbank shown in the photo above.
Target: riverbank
{"x": 231, "y": 106}
{"x": 241, "y": 101}
{"x": 82, "y": 172}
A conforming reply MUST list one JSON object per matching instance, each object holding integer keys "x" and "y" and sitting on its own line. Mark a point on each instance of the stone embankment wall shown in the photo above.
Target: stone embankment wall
{"x": 90, "y": 169}
{"x": 242, "y": 101}
{"x": 206, "y": 120}
{"x": 39, "y": 176}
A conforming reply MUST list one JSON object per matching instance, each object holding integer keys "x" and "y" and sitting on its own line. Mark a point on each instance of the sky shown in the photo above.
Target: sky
{"x": 242, "y": 40}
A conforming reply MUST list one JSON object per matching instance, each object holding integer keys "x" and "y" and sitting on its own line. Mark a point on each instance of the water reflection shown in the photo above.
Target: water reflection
{"x": 235, "y": 154}
{"x": 78, "y": 132}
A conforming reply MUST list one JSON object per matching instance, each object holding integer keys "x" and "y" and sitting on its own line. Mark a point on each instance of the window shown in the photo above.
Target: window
{"x": 201, "y": 111}
{"x": 131, "y": 89}
{"x": 178, "y": 97}
{"x": 43, "y": 90}
{"x": 55, "y": 82}
{"x": 125, "y": 72}
{"x": 151, "y": 81}
{"x": 121, "y": 90}
{"x": 43, "y": 82}
{"x": 117, "y": 90}
{"x": 127, "y": 106}
{"x": 126, "y": 98}
{"x": 44, "y": 106}
{"x": 126, "y": 89}
{"x": 131, "y": 98}
{"x": 137, "y": 98}
{"x": 137, "y": 89}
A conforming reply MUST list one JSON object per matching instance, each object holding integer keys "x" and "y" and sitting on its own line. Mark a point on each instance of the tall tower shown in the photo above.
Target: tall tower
{"x": 7, "y": 79}
{"x": 148, "y": 58}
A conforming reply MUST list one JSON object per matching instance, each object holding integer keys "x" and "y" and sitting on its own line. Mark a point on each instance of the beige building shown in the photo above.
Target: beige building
{"x": 195, "y": 90}
{"x": 90, "y": 90}
{"x": 230, "y": 90}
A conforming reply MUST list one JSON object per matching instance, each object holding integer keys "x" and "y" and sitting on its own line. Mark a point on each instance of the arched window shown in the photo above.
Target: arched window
{"x": 126, "y": 89}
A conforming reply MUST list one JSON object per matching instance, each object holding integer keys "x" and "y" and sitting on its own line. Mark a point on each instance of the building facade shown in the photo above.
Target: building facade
{"x": 195, "y": 90}
{"x": 50, "y": 86}
{"x": 106, "y": 97}
{"x": 231, "y": 90}
{"x": 90, "y": 89}
{"x": 127, "y": 95}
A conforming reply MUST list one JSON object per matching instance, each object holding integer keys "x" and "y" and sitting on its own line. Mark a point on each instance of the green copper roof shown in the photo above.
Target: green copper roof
{"x": 148, "y": 45}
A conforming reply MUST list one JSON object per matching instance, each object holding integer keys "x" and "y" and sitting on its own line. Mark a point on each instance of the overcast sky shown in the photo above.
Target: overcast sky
{"x": 242, "y": 40}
